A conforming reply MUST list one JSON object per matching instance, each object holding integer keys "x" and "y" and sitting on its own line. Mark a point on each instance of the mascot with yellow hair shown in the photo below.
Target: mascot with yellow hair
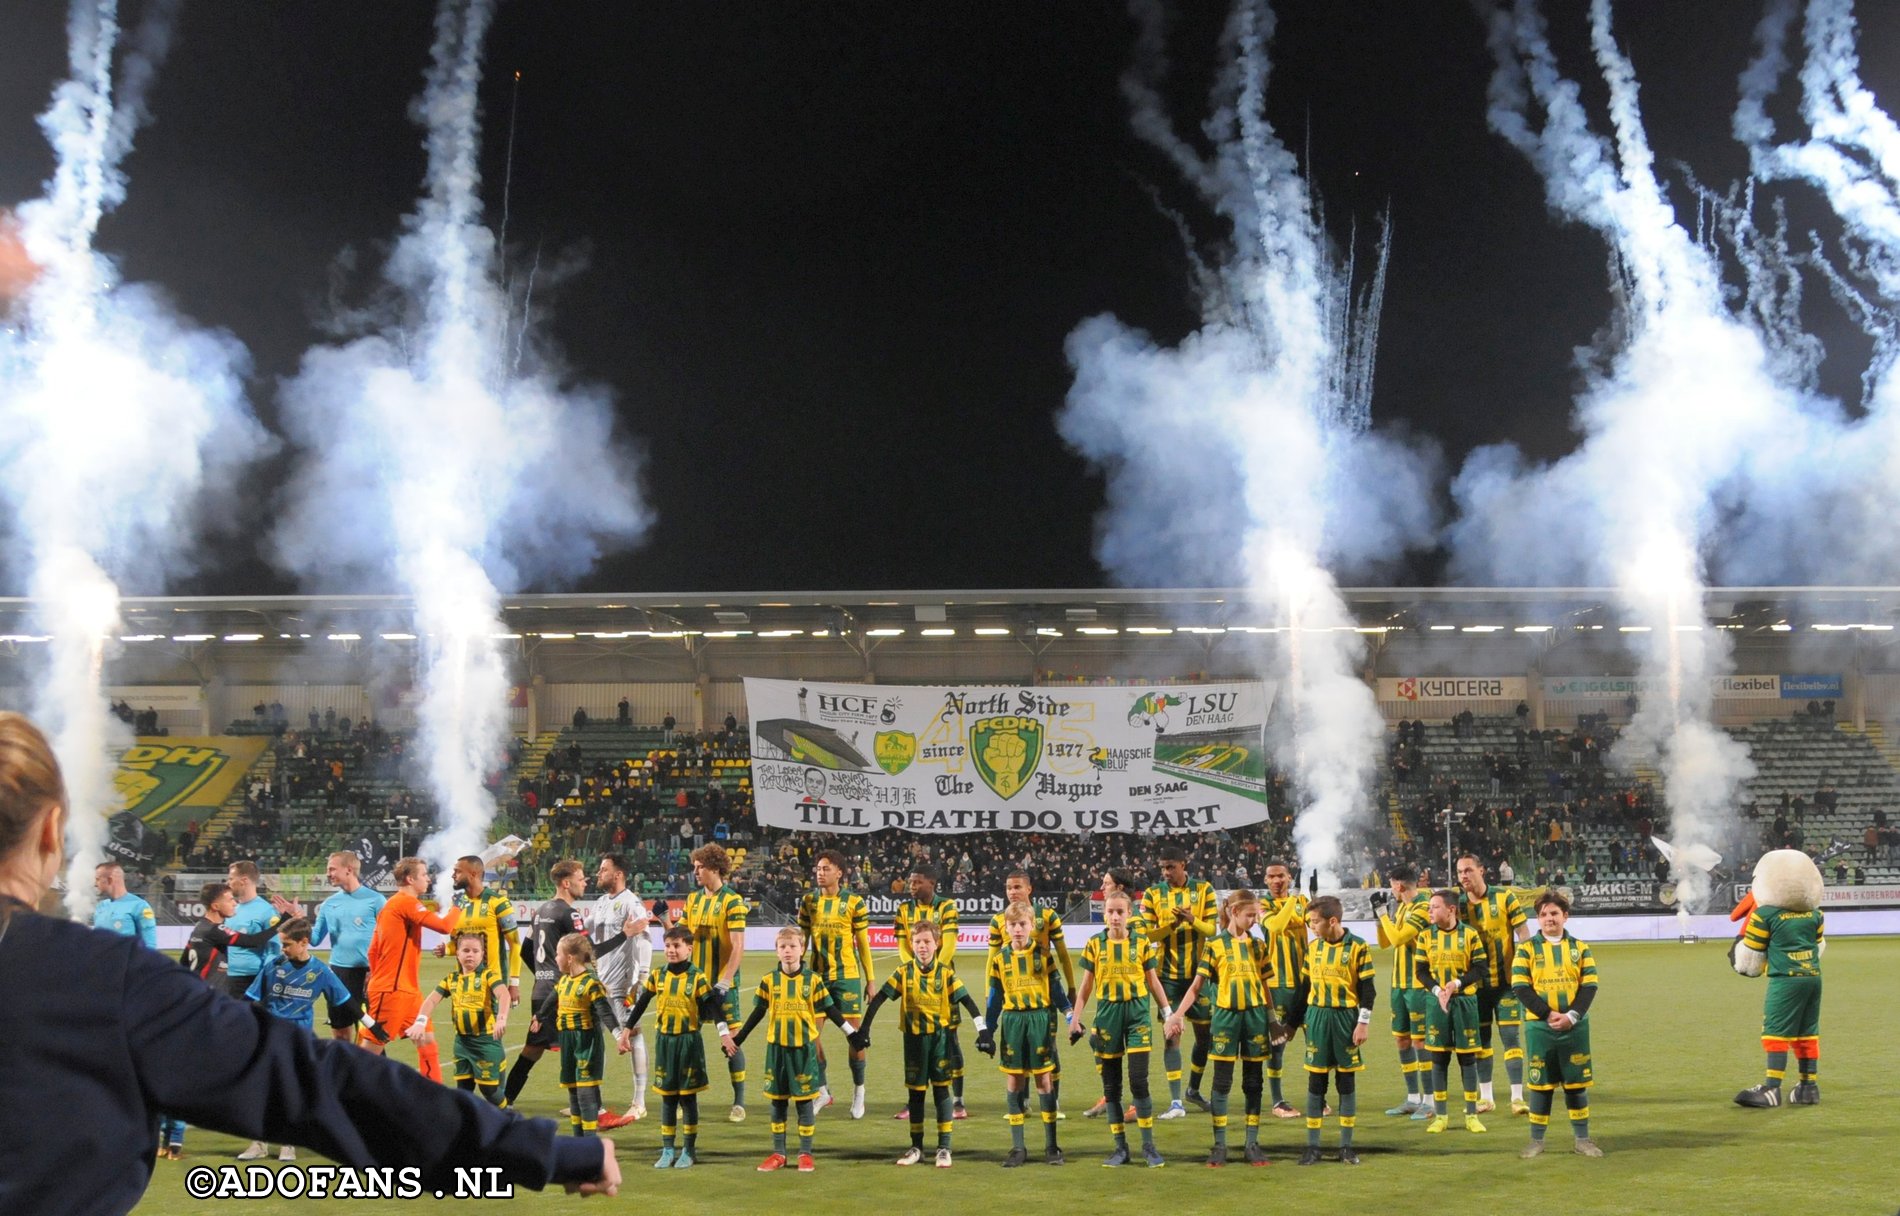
{"x": 1783, "y": 940}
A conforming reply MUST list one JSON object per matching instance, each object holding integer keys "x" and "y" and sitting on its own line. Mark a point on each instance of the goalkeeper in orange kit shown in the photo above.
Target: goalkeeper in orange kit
{"x": 393, "y": 994}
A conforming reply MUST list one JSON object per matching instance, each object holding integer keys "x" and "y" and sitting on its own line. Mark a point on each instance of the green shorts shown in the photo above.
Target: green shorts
{"x": 929, "y": 1058}
{"x": 679, "y": 1065}
{"x": 1510, "y": 1010}
{"x": 849, "y": 994}
{"x": 582, "y": 1054}
{"x": 1453, "y": 1028}
{"x": 1239, "y": 1034}
{"x": 1553, "y": 1057}
{"x": 1282, "y": 1001}
{"x": 1176, "y": 989}
{"x": 1408, "y": 1011}
{"x": 1025, "y": 1044}
{"x": 1792, "y": 1008}
{"x": 1121, "y": 1027}
{"x": 793, "y": 1073}
{"x": 1329, "y": 1045}
{"x": 478, "y": 1058}
{"x": 729, "y": 1007}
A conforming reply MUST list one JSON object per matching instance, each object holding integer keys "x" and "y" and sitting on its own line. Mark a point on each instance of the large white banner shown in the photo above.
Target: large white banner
{"x": 1617, "y": 688}
{"x": 863, "y": 757}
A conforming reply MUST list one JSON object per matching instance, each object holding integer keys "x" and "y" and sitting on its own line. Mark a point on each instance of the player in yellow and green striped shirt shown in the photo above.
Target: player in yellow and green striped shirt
{"x": 682, "y": 997}
{"x": 1499, "y": 919}
{"x": 793, "y": 997}
{"x": 580, "y": 1009}
{"x": 1118, "y": 970}
{"x": 1335, "y": 1009}
{"x": 1283, "y": 922}
{"x": 924, "y": 907}
{"x": 1555, "y": 978}
{"x": 716, "y": 914}
{"x": 1180, "y": 915}
{"x": 478, "y": 1003}
{"x": 928, "y": 995}
{"x": 1024, "y": 994}
{"x": 1451, "y": 963}
{"x": 1401, "y": 919}
{"x": 1045, "y": 930}
{"x": 837, "y": 928}
{"x": 1233, "y": 968}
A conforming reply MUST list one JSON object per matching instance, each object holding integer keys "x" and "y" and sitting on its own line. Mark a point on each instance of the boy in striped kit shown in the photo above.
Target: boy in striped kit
{"x": 479, "y": 1002}
{"x": 1451, "y": 964}
{"x": 794, "y": 998}
{"x": 1234, "y": 967}
{"x": 924, "y": 905}
{"x": 1555, "y": 979}
{"x": 1024, "y": 993}
{"x": 580, "y": 1009}
{"x": 1118, "y": 969}
{"x": 1334, "y": 1008}
{"x": 683, "y": 996}
{"x": 928, "y": 994}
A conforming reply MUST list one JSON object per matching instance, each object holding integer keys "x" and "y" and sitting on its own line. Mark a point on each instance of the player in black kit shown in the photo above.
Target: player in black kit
{"x": 211, "y": 941}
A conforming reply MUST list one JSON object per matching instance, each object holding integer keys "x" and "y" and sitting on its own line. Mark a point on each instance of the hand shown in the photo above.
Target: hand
{"x": 623, "y": 1041}
{"x": 501, "y": 1026}
{"x": 986, "y": 1041}
{"x": 1444, "y": 998}
{"x": 1381, "y": 898}
{"x": 608, "y": 1183}
{"x": 417, "y": 1029}
{"x": 1278, "y": 1032}
{"x": 534, "y": 1025}
{"x": 514, "y": 992}
{"x": 442, "y": 948}
{"x": 722, "y": 988}
{"x": 729, "y": 1045}
{"x": 1359, "y": 1034}
{"x": 1075, "y": 1034}
{"x": 859, "y": 1041}
{"x": 1172, "y": 1028}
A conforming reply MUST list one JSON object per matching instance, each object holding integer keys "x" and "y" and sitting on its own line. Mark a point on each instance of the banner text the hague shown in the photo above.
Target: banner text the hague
{"x": 864, "y": 757}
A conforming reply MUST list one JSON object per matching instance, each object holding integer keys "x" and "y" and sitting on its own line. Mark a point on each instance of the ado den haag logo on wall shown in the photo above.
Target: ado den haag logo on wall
{"x": 1006, "y": 751}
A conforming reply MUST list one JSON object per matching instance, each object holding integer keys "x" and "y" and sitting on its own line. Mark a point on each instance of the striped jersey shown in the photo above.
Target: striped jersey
{"x": 1023, "y": 976}
{"x": 679, "y": 992}
{"x": 577, "y": 997}
{"x": 1399, "y": 933}
{"x": 1120, "y": 967}
{"x": 1045, "y": 932}
{"x": 712, "y": 916}
{"x": 1452, "y": 954}
{"x": 471, "y": 997}
{"x": 492, "y": 914}
{"x": 1557, "y": 971}
{"x": 1179, "y": 920}
{"x": 1283, "y": 922}
{"x": 1497, "y": 916}
{"x": 834, "y": 924}
{"x": 926, "y": 996}
{"x": 942, "y": 913}
{"x": 1334, "y": 971}
{"x": 1791, "y": 940}
{"x": 1233, "y": 969}
{"x": 793, "y": 1004}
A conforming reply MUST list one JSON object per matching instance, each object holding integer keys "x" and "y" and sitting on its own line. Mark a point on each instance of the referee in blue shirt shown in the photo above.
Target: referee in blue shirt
{"x": 118, "y": 910}
{"x": 113, "y": 1033}
{"x": 347, "y": 920}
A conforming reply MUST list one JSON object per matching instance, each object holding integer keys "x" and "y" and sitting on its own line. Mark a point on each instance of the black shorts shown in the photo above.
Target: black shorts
{"x": 238, "y": 985}
{"x": 353, "y": 978}
{"x": 545, "y": 1037}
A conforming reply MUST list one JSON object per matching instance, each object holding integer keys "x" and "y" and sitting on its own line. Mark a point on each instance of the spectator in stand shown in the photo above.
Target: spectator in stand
{"x": 580, "y": 719}
{"x": 623, "y": 712}
{"x": 668, "y": 724}
{"x": 732, "y": 726}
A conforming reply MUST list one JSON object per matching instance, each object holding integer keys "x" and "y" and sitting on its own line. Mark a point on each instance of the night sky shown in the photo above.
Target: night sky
{"x": 834, "y": 249}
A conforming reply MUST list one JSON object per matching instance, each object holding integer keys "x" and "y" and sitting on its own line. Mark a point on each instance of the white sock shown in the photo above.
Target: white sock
{"x": 1484, "y": 1092}
{"x": 1517, "y": 1093}
{"x": 639, "y": 1069}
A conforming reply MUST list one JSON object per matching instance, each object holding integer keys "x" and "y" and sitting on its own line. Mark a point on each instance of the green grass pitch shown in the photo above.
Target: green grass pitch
{"x": 1674, "y": 1034}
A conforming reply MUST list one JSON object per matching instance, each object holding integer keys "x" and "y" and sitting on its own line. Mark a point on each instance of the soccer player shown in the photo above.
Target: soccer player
{"x": 1400, "y": 923}
{"x": 794, "y": 997}
{"x": 580, "y": 1010}
{"x": 928, "y": 994}
{"x": 479, "y": 1002}
{"x": 254, "y": 912}
{"x": 553, "y": 920}
{"x": 1234, "y": 967}
{"x": 212, "y": 937}
{"x": 1118, "y": 969}
{"x": 489, "y": 912}
{"x": 1334, "y": 1008}
{"x": 618, "y": 923}
{"x": 118, "y": 910}
{"x": 1787, "y": 945}
{"x": 1555, "y": 979}
{"x": 1024, "y": 993}
{"x": 1113, "y": 881}
{"x": 288, "y": 988}
{"x": 1046, "y": 931}
{"x": 683, "y": 996}
{"x": 837, "y": 928}
{"x": 1450, "y": 964}
{"x": 1180, "y": 915}
{"x": 347, "y": 919}
{"x": 395, "y": 952}
{"x": 1500, "y": 921}
{"x": 1283, "y": 923}
{"x": 924, "y": 906}
{"x": 716, "y": 914}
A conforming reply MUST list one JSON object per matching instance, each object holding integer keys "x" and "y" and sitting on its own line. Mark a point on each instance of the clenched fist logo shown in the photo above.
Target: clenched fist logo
{"x": 1006, "y": 754}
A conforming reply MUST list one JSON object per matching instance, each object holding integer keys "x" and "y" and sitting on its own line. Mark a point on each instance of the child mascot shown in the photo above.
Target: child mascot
{"x": 1782, "y": 940}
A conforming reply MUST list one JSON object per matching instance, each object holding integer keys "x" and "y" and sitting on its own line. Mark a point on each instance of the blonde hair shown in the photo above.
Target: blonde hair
{"x": 790, "y": 933}
{"x": 928, "y": 928}
{"x": 30, "y": 779}
{"x": 1237, "y": 899}
{"x": 407, "y": 867}
{"x": 577, "y": 946}
{"x": 1019, "y": 911}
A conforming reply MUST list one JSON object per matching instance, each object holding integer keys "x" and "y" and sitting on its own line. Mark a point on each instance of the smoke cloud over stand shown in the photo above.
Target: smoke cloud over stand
{"x": 119, "y": 415}
{"x": 1245, "y": 451}
{"x": 444, "y": 448}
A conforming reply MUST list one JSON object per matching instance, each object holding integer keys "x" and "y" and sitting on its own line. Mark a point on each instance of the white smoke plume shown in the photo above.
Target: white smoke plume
{"x": 1245, "y": 451}
{"x": 119, "y": 414}
{"x": 448, "y": 452}
{"x": 1678, "y": 395}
